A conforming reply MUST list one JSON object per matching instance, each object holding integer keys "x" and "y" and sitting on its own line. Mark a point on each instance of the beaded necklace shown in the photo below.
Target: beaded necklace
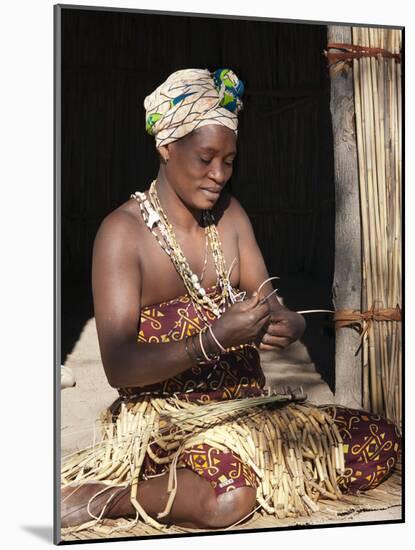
{"x": 154, "y": 215}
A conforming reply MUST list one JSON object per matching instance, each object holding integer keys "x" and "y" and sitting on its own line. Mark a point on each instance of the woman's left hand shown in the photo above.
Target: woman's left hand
{"x": 284, "y": 327}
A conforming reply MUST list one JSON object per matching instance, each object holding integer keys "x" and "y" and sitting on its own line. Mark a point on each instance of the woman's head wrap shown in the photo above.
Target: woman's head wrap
{"x": 191, "y": 98}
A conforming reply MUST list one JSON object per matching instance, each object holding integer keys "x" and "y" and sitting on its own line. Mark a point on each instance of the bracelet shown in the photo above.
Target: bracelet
{"x": 208, "y": 345}
{"x": 202, "y": 348}
{"x": 208, "y": 357}
{"x": 199, "y": 360}
{"x": 212, "y": 344}
{"x": 216, "y": 340}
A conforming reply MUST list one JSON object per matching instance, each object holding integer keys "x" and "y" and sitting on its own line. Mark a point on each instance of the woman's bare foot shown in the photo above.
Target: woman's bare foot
{"x": 74, "y": 502}
{"x": 195, "y": 504}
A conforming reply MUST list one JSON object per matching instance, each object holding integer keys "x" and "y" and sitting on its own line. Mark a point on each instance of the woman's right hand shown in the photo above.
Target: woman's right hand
{"x": 242, "y": 322}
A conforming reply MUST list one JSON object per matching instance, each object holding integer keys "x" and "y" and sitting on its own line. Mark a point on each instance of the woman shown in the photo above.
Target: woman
{"x": 181, "y": 263}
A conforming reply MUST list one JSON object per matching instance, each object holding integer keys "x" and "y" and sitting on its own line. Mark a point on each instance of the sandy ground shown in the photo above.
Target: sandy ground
{"x": 81, "y": 405}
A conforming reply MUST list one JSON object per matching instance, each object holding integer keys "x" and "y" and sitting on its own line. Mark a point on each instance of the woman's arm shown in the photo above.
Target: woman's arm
{"x": 116, "y": 285}
{"x": 286, "y": 326}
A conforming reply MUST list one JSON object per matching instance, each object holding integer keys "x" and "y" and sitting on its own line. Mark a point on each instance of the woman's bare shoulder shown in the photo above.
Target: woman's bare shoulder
{"x": 122, "y": 226}
{"x": 229, "y": 210}
{"x": 126, "y": 215}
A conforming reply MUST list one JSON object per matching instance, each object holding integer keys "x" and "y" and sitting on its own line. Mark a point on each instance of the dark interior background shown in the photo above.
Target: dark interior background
{"x": 284, "y": 170}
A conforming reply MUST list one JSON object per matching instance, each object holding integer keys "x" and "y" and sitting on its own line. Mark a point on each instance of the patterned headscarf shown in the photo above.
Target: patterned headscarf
{"x": 191, "y": 98}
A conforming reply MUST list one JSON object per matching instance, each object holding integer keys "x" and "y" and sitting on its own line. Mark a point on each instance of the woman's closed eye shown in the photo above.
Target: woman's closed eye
{"x": 208, "y": 161}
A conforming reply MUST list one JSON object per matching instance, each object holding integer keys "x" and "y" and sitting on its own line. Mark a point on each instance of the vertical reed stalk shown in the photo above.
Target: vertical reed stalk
{"x": 378, "y": 107}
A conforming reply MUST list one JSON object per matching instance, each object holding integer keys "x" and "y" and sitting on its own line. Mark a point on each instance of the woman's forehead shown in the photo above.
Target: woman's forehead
{"x": 213, "y": 138}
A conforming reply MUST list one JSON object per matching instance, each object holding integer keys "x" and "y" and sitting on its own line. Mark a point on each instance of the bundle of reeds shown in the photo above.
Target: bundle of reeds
{"x": 293, "y": 447}
{"x": 377, "y": 84}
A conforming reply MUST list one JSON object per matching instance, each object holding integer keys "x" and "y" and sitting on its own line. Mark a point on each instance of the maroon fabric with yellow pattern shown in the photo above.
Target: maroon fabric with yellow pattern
{"x": 371, "y": 446}
{"x": 236, "y": 374}
{"x": 371, "y": 443}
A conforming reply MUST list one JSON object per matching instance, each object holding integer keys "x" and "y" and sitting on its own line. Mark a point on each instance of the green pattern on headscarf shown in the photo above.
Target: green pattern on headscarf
{"x": 191, "y": 98}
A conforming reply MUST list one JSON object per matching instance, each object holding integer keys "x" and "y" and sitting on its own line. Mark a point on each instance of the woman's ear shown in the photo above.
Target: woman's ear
{"x": 164, "y": 154}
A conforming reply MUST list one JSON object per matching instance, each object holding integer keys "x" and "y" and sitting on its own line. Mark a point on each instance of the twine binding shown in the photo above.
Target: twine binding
{"x": 354, "y": 51}
{"x": 361, "y": 321}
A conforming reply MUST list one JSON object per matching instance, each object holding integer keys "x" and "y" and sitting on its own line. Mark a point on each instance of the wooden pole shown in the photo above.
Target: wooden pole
{"x": 347, "y": 264}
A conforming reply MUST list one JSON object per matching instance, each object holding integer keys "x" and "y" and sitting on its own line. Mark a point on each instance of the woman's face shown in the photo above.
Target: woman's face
{"x": 200, "y": 164}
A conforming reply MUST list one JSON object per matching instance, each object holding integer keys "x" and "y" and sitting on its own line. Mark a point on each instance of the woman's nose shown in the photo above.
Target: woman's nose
{"x": 217, "y": 173}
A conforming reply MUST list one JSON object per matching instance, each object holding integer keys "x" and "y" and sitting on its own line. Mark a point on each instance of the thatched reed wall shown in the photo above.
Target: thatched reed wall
{"x": 284, "y": 170}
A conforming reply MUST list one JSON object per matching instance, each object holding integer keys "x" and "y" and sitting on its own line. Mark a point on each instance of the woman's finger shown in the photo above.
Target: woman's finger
{"x": 279, "y": 329}
{"x": 249, "y": 303}
{"x": 262, "y": 317}
{"x": 265, "y": 347}
{"x": 262, "y": 309}
{"x": 276, "y": 341}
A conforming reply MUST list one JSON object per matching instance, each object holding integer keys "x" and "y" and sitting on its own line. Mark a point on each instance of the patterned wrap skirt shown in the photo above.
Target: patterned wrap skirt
{"x": 371, "y": 443}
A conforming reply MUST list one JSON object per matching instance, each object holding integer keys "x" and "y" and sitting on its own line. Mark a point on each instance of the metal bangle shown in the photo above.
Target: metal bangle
{"x": 199, "y": 360}
{"x": 202, "y": 347}
{"x": 209, "y": 357}
{"x": 212, "y": 346}
{"x": 216, "y": 340}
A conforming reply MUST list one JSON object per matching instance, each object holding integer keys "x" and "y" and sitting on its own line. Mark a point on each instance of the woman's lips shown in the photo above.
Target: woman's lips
{"x": 212, "y": 194}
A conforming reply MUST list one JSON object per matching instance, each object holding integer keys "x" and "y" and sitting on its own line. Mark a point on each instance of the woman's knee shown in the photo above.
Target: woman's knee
{"x": 230, "y": 507}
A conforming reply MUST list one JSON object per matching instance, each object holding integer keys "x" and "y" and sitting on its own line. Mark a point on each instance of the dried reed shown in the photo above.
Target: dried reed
{"x": 293, "y": 448}
{"x": 377, "y": 86}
